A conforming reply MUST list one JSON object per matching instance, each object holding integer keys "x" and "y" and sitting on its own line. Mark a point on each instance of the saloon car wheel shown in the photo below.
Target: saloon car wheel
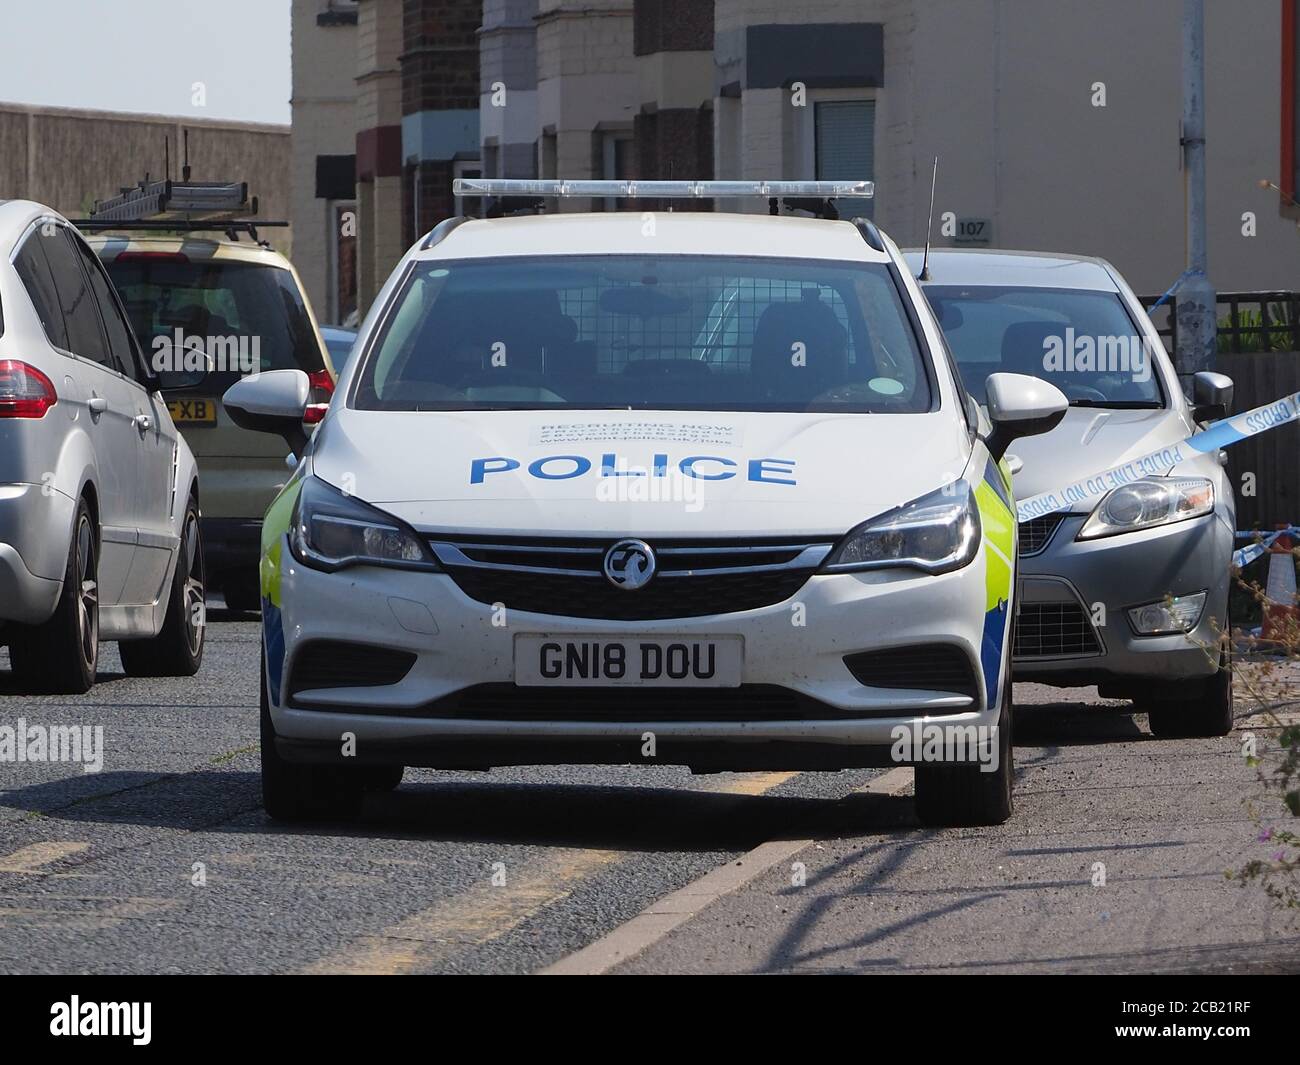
{"x": 1203, "y": 708}
{"x": 293, "y": 792}
{"x": 959, "y": 795}
{"x": 61, "y": 655}
{"x": 177, "y": 650}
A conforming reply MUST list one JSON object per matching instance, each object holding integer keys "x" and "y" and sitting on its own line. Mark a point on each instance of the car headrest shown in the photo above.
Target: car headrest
{"x": 1023, "y": 346}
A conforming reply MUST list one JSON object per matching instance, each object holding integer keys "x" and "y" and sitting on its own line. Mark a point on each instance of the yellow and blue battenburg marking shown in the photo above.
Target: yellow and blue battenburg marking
{"x": 998, "y": 521}
{"x": 270, "y": 568}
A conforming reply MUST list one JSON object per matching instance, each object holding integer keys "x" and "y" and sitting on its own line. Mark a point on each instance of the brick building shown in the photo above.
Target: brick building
{"x": 1056, "y": 124}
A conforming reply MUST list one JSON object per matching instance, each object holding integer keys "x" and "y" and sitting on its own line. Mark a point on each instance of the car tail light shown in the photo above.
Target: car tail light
{"x": 25, "y": 392}
{"x": 318, "y": 401}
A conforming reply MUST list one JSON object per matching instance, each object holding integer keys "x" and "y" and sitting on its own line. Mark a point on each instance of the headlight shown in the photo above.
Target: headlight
{"x": 936, "y": 533}
{"x": 331, "y": 530}
{"x": 1149, "y": 502}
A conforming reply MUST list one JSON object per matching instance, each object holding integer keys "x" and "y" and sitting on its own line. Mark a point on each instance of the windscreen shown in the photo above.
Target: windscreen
{"x": 646, "y": 333}
{"x": 1082, "y": 341}
{"x": 247, "y": 316}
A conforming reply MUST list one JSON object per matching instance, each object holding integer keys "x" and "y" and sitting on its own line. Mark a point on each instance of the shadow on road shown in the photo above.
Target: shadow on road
{"x": 553, "y": 815}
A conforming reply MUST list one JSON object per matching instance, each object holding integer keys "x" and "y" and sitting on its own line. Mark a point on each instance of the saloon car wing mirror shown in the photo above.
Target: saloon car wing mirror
{"x": 1211, "y": 396}
{"x": 1020, "y": 405}
{"x": 273, "y": 401}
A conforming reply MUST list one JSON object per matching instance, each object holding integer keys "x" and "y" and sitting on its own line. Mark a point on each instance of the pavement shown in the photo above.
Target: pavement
{"x": 164, "y": 862}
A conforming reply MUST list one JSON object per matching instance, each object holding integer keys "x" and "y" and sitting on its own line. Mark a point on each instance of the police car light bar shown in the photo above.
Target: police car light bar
{"x": 663, "y": 190}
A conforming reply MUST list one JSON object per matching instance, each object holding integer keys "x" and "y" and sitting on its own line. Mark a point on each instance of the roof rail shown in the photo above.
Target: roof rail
{"x": 870, "y": 233}
{"x": 231, "y": 227}
{"x": 440, "y": 231}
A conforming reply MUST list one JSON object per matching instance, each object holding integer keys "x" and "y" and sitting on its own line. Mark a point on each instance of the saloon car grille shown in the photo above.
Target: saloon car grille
{"x": 693, "y": 578}
{"x": 929, "y": 667}
{"x": 343, "y": 664}
{"x": 1036, "y": 533}
{"x": 1054, "y": 630}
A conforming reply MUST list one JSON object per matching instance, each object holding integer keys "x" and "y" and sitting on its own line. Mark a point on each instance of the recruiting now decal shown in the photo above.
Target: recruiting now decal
{"x": 1219, "y": 435}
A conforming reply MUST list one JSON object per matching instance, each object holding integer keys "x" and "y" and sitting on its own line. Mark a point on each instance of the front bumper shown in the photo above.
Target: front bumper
{"x": 1075, "y": 595}
{"x": 457, "y": 647}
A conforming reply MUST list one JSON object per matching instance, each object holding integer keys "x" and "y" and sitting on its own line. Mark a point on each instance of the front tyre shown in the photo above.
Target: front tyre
{"x": 177, "y": 650}
{"x": 293, "y": 792}
{"x": 1204, "y": 710}
{"x": 965, "y": 795}
{"x": 60, "y": 655}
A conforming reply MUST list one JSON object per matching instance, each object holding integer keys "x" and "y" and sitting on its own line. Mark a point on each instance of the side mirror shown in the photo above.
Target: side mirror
{"x": 1020, "y": 405}
{"x": 164, "y": 379}
{"x": 1211, "y": 396}
{"x": 272, "y": 401}
{"x": 177, "y": 380}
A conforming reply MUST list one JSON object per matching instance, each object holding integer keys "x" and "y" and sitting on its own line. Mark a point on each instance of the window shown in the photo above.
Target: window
{"x": 115, "y": 325}
{"x": 85, "y": 334}
{"x": 844, "y": 145}
{"x": 647, "y": 333}
{"x": 616, "y": 156}
{"x": 34, "y": 272}
{"x": 244, "y": 314}
{"x": 1083, "y": 342}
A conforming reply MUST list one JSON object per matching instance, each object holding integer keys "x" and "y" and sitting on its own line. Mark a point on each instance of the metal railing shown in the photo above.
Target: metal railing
{"x": 1248, "y": 321}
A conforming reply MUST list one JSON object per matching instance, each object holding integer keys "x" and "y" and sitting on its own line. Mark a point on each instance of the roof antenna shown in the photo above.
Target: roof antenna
{"x": 167, "y": 159}
{"x": 185, "y": 166}
{"x": 924, "y": 275}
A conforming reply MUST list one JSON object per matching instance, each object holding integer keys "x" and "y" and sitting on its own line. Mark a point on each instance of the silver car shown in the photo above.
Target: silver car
{"x": 99, "y": 504}
{"x": 1126, "y": 590}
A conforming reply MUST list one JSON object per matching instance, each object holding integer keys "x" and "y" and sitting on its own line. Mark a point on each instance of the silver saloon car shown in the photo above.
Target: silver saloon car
{"x": 99, "y": 529}
{"x": 1126, "y": 590}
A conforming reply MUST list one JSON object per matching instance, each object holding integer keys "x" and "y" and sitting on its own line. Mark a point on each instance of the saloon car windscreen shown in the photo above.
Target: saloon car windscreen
{"x": 1083, "y": 342}
{"x": 647, "y": 332}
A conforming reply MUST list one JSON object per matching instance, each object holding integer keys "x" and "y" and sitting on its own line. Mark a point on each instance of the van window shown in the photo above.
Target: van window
{"x": 246, "y": 316}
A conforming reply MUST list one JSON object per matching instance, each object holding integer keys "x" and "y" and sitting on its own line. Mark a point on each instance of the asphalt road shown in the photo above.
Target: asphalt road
{"x": 164, "y": 861}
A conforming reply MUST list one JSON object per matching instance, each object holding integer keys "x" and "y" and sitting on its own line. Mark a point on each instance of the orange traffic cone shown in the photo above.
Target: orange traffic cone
{"x": 1280, "y": 594}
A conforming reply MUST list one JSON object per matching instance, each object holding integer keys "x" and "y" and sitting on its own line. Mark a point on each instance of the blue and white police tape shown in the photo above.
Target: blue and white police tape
{"x": 1243, "y": 556}
{"x": 1219, "y": 435}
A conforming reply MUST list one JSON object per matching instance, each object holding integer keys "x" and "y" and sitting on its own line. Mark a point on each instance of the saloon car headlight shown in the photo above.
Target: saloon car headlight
{"x": 1149, "y": 502}
{"x": 936, "y": 533}
{"x": 331, "y": 530}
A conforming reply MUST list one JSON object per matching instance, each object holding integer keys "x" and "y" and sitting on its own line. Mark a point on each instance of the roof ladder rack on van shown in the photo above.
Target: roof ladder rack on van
{"x": 180, "y": 207}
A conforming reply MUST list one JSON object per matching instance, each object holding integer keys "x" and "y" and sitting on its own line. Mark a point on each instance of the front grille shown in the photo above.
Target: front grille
{"x": 928, "y": 667}
{"x": 608, "y": 705}
{"x": 692, "y": 579}
{"x": 1054, "y": 630}
{"x": 1036, "y": 533}
{"x": 341, "y": 664}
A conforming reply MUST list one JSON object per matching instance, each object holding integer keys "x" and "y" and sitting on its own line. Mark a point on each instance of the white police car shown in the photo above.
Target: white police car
{"x": 690, "y": 488}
